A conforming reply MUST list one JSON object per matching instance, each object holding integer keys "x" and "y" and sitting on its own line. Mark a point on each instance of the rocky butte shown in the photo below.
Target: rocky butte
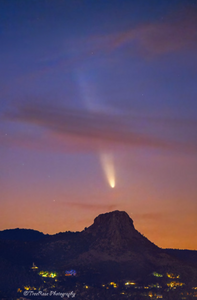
{"x": 110, "y": 247}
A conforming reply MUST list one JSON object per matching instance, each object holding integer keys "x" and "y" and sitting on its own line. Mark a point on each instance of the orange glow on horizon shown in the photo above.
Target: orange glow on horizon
{"x": 160, "y": 212}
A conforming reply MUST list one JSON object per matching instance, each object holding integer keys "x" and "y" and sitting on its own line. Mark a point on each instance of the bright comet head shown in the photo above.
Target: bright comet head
{"x": 108, "y": 168}
{"x": 112, "y": 184}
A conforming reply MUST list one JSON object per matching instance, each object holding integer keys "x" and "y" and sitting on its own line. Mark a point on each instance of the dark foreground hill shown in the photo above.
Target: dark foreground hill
{"x": 17, "y": 234}
{"x": 110, "y": 249}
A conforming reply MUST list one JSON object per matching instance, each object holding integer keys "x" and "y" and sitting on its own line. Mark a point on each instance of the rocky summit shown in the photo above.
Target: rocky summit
{"x": 115, "y": 231}
{"x": 111, "y": 246}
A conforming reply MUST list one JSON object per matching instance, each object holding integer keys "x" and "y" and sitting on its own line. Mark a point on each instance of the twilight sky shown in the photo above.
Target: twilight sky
{"x": 95, "y": 94}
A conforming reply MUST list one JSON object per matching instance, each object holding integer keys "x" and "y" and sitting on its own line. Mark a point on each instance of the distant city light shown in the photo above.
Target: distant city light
{"x": 173, "y": 276}
{"x": 157, "y": 274}
{"x": 34, "y": 267}
{"x": 47, "y": 274}
{"x": 130, "y": 283}
{"x": 70, "y": 273}
{"x": 113, "y": 284}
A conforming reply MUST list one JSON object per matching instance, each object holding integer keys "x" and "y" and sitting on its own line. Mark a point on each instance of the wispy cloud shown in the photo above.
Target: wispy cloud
{"x": 70, "y": 130}
{"x": 173, "y": 34}
{"x": 176, "y": 32}
{"x": 98, "y": 128}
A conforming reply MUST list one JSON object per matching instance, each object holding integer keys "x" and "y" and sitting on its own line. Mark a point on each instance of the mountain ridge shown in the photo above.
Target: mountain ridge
{"x": 111, "y": 240}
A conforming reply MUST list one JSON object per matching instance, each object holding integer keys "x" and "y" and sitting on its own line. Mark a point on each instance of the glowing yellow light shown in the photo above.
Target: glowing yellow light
{"x": 108, "y": 168}
{"x": 170, "y": 275}
{"x": 113, "y": 284}
{"x": 47, "y": 274}
{"x": 175, "y": 284}
{"x": 130, "y": 283}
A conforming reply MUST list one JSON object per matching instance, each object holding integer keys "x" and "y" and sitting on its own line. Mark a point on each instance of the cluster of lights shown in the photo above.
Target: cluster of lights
{"x": 29, "y": 288}
{"x": 172, "y": 276}
{"x": 157, "y": 274}
{"x": 172, "y": 284}
{"x": 175, "y": 284}
{"x": 130, "y": 283}
{"x": 150, "y": 294}
{"x": 47, "y": 274}
{"x": 113, "y": 284}
{"x": 149, "y": 287}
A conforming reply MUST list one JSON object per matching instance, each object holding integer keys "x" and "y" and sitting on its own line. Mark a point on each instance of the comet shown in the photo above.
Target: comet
{"x": 90, "y": 101}
{"x": 108, "y": 168}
